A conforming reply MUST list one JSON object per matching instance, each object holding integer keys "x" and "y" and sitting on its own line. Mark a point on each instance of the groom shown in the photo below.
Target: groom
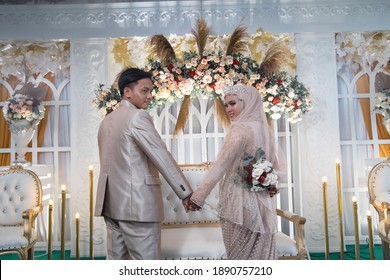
{"x": 132, "y": 154}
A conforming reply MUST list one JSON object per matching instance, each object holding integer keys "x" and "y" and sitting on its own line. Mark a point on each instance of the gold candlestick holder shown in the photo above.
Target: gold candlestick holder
{"x": 50, "y": 231}
{"x": 91, "y": 254}
{"x": 324, "y": 192}
{"x": 77, "y": 216}
{"x": 340, "y": 209}
{"x": 355, "y": 221}
{"x": 63, "y": 215}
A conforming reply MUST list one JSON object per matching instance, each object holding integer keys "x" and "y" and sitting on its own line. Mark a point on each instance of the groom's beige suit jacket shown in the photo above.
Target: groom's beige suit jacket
{"x": 132, "y": 154}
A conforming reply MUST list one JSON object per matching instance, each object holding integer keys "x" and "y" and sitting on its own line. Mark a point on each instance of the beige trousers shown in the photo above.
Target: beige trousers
{"x": 129, "y": 240}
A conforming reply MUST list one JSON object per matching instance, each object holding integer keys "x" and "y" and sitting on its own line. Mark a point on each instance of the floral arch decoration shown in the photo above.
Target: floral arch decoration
{"x": 200, "y": 64}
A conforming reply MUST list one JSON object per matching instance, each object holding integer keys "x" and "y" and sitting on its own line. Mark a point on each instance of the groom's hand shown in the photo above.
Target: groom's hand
{"x": 189, "y": 205}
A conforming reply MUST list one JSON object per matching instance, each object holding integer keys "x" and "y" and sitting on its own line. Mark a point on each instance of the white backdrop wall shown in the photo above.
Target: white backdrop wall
{"x": 315, "y": 22}
{"x": 319, "y": 148}
{"x": 88, "y": 68}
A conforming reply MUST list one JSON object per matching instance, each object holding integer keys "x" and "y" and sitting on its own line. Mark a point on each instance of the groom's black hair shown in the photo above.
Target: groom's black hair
{"x": 131, "y": 75}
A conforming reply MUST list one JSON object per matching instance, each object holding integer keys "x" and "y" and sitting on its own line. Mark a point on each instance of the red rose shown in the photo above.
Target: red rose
{"x": 295, "y": 105}
{"x": 212, "y": 85}
{"x": 248, "y": 168}
{"x": 170, "y": 67}
{"x": 235, "y": 61}
{"x": 279, "y": 81}
{"x": 276, "y": 100}
{"x": 192, "y": 73}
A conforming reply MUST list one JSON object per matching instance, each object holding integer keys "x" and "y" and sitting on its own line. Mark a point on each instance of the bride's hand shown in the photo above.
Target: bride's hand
{"x": 273, "y": 191}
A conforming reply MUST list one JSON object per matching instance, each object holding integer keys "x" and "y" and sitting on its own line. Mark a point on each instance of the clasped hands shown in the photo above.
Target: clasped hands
{"x": 189, "y": 205}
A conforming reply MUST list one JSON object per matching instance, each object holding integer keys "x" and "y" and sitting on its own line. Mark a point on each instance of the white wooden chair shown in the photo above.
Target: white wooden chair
{"x": 379, "y": 193}
{"x": 20, "y": 204}
{"x": 197, "y": 235}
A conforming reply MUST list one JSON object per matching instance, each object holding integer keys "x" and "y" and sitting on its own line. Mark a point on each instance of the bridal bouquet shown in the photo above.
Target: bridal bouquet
{"x": 257, "y": 172}
{"x": 23, "y": 107}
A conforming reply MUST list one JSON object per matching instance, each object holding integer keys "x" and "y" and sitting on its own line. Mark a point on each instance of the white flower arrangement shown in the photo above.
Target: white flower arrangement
{"x": 382, "y": 104}
{"x": 184, "y": 67}
{"x": 107, "y": 100}
{"x": 23, "y": 107}
{"x": 205, "y": 74}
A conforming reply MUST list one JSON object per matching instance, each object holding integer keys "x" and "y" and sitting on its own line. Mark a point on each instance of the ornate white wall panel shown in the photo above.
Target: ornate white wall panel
{"x": 146, "y": 18}
{"x": 88, "y": 68}
{"x": 319, "y": 130}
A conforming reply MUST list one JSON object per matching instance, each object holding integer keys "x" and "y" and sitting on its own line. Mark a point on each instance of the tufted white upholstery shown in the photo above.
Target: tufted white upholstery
{"x": 379, "y": 192}
{"x": 20, "y": 203}
{"x": 197, "y": 235}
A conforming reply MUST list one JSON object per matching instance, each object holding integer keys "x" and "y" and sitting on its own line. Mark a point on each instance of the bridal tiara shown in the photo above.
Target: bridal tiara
{"x": 233, "y": 89}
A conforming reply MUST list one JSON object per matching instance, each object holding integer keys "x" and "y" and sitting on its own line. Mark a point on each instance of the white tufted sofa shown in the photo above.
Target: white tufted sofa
{"x": 197, "y": 235}
{"x": 20, "y": 203}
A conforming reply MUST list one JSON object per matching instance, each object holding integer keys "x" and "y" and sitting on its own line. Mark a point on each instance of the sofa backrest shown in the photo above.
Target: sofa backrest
{"x": 20, "y": 189}
{"x": 173, "y": 207}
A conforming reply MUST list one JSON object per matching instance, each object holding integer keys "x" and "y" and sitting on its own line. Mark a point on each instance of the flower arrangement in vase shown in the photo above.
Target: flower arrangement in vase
{"x": 23, "y": 107}
{"x": 22, "y": 113}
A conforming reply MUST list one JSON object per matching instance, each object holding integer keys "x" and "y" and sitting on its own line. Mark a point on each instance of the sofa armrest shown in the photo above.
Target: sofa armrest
{"x": 299, "y": 230}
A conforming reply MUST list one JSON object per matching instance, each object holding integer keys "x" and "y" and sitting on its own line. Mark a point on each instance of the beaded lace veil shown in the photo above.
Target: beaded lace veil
{"x": 253, "y": 210}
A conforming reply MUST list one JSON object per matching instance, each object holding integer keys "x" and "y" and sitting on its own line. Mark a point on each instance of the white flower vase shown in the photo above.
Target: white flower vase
{"x": 22, "y": 132}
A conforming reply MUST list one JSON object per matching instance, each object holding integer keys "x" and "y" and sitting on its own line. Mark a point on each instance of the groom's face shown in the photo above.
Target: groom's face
{"x": 140, "y": 93}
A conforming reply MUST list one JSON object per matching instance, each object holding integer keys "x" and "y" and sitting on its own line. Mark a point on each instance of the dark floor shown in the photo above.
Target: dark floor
{"x": 349, "y": 254}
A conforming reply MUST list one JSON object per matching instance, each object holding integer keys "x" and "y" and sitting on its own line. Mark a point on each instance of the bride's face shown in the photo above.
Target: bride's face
{"x": 231, "y": 106}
